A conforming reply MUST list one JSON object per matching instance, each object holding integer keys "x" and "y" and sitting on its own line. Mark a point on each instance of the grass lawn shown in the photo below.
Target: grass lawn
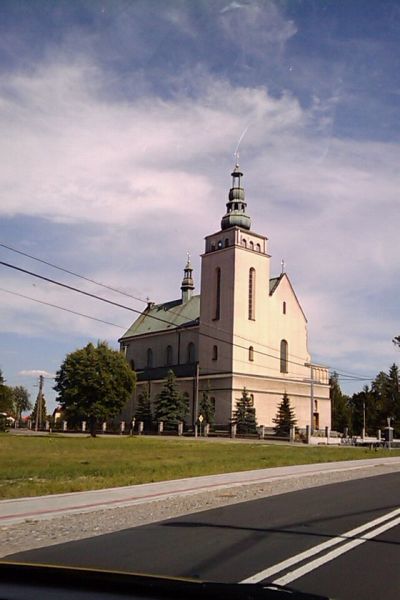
{"x": 32, "y": 466}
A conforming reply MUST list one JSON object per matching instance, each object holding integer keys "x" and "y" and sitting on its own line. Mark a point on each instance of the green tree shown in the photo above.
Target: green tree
{"x": 143, "y": 411}
{"x": 207, "y": 408}
{"x": 339, "y": 405}
{"x": 6, "y": 397}
{"x": 244, "y": 415}
{"x": 285, "y": 417}
{"x": 94, "y": 383}
{"x": 40, "y": 405}
{"x": 171, "y": 406}
{"x": 22, "y": 402}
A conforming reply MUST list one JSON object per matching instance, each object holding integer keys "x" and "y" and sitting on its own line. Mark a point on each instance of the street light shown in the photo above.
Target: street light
{"x": 311, "y": 396}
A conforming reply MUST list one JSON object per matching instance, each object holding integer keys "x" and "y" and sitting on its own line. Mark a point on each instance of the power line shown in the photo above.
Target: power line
{"x": 118, "y": 305}
{"x": 64, "y": 270}
{"x": 74, "y": 312}
{"x": 49, "y": 264}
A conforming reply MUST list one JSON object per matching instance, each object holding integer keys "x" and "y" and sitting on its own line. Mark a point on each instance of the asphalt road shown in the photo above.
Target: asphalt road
{"x": 339, "y": 540}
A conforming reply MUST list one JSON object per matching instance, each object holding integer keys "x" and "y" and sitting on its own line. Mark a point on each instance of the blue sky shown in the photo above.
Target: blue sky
{"x": 119, "y": 122}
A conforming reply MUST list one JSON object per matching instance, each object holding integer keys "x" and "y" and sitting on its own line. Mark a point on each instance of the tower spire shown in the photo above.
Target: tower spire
{"x": 187, "y": 286}
{"x": 235, "y": 215}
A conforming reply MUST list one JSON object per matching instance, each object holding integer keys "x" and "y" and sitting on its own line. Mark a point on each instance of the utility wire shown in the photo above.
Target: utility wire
{"x": 49, "y": 264}
{"x": 74, "y": 312}
{"x": 129, "y": 295}
{"x": 117, "y": 304}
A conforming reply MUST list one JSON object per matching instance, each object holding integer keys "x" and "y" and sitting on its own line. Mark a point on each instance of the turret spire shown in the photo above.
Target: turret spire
{"x": 187, "y": 286}
{"x": 236, "y": 206}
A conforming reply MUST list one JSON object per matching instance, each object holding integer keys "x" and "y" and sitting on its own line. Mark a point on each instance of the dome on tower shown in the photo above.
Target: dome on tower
{"x": 235, "y": 215}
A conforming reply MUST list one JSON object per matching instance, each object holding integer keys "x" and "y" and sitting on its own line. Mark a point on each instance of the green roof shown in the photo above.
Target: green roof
{"x": 165, "y": 317}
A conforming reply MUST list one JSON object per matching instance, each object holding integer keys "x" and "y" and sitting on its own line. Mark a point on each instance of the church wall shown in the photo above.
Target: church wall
{"x": 268, "y": 393}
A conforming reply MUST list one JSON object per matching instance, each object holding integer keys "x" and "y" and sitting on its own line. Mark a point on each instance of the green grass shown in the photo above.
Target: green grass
{"x": 31, "y": 466}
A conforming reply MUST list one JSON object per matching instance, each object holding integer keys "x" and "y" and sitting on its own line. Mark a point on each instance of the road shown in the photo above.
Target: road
{"x": 346, "y": 535}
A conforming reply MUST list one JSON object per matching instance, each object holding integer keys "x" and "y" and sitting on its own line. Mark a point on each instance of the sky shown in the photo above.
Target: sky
{"x": 119, "y": 121}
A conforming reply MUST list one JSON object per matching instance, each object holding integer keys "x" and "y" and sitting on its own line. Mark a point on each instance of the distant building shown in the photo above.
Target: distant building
{"x": 246, "y": 329}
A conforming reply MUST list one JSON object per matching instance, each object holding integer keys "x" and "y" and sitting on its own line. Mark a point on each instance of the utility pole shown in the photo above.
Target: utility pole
{"x": 196, "y": 398}
{"x": 39, "y": 404}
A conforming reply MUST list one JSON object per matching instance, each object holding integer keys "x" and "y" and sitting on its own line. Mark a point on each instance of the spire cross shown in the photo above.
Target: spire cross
{"x": 283, "y": 266}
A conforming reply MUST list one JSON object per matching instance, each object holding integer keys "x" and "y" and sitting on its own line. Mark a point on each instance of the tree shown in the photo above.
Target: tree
{"x": 6, "y": 397}
{"x": 39, "y": 420}
{"x": 339, "y": 405}
{"x": 285, "y": 417}
{"x": 207, "y": 408}
{"x": 244, "y": 415}
{"x": 94, "y": 383}
{"x": 171, "y": 406}
{"x": 143, "y": 411}
{"x": 21, "y": 400}
{"x": 396, "y": 341}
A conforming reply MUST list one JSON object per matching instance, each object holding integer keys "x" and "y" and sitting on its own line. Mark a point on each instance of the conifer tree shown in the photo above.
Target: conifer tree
{"x": 171, "y": 405}
{"x": 285, "y": 417}
{"x": 41, "y": 417}
{"x": 339, "y": 405}
{"x": 207, "y": 408}
{"x": 143, "y": 411}
{"x": 244, "y": 415}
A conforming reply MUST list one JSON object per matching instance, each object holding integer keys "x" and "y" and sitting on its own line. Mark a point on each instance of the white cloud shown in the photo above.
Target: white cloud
{"x": 152, "y": 176}
{"x": 35, "y": 373}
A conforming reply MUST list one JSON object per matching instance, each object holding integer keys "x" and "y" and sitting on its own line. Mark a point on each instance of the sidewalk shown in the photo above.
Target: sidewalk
{"x": 46, "y": 507}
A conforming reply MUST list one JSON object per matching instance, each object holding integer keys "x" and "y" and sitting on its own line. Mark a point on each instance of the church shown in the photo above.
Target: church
{"x": 246, "y": 329}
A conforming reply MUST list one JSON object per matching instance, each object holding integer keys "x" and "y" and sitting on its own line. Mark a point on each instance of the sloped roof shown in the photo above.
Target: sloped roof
{"x": 166, "y": 316}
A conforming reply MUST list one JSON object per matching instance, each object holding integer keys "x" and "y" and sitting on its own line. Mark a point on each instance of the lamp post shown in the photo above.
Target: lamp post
{"x": 311, "y": 396}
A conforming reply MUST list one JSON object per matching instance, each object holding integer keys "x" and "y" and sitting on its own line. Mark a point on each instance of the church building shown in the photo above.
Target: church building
{"x": 246, "y": 329}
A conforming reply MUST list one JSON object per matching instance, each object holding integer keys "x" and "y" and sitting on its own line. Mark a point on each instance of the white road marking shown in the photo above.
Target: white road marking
{"x": 289, "y": 562}
{"x": 318, "y": 562}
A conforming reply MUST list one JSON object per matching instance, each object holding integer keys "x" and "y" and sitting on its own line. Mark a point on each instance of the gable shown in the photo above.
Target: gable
{"x": 276, "y": 282}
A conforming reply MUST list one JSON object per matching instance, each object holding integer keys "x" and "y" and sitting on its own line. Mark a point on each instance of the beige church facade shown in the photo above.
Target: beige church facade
{"x": 245, "y": 330}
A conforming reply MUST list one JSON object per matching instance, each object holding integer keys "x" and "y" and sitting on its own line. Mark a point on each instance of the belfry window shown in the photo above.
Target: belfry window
{"x": 252, "y": 286}
{"x": 251, "y": 244}
{"x": 284, "y": 356}
{"x": 217, "y": 312}
{"x": 149, "y": 358}
{"x": 244, "y": 243}
{"x": 284, "y": 308}
{"x": 258, "y": 248}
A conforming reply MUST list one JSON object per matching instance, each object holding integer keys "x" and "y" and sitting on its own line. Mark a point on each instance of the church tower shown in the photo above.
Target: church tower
{"x": 234, "y": 287}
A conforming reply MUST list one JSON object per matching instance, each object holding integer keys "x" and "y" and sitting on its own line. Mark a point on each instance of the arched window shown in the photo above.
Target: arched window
{"x": 251, "y": 353}
{"x": 212, "y": 247}
{"x": 244, "y": 243}
{"x": 132, "y": 364}
{"x": 284, "y": 308}
{"x": 258, "y": 248}
{"x": 251, "y": 245}
{"x": 149, "y": 359}
{"x": 252, "y": 289}
{"x": 217, "y": 312}
{"x": 191, "y": 353}
{"x": 215, "y": 353}
{"x": 284, "y": 356}
{"x": 169, "y": 359}
{"x": 226, "y": 242}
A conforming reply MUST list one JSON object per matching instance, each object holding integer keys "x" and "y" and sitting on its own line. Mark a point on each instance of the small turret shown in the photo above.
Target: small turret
{"x": 236, "y": 206}
{"x": 187, "y": 286}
